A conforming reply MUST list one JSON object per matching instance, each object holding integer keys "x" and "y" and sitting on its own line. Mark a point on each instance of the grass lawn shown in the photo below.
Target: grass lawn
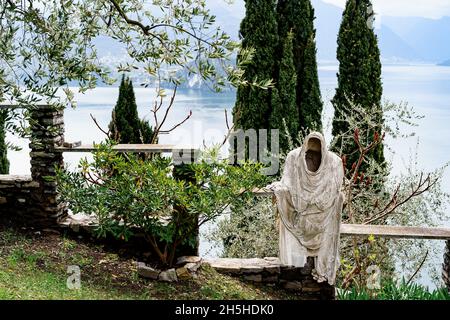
{"x": 33, "y": 265}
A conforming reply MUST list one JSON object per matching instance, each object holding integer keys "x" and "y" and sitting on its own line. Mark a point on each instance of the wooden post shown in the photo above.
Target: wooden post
{"x": 446, "y": 266}
{"x": 181, "y": 171}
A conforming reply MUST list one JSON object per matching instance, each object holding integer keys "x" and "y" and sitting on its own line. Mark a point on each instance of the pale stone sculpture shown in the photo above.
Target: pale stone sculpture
{"x": 310, "y": 204}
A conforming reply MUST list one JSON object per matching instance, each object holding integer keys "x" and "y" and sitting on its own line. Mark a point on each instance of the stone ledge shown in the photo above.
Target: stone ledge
{"x": 270, "y": 270}
{"x": 79, "y": 221}
{"x": 245, "y": 266}
{"x": 12, "y": 178}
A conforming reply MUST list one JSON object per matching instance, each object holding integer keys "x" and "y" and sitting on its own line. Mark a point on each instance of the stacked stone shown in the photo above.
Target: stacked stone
{"x": 446, "y": 266}
{"x": 185, "y": 269}
{"x": 47, "y": 127}
{"x": 16, "y": 194}
{"x": 271, "y": 271}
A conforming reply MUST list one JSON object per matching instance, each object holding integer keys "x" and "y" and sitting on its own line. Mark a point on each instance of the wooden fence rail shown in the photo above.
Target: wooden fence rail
{"x": 132, "y": 148}
{"x": 384, "y": 231}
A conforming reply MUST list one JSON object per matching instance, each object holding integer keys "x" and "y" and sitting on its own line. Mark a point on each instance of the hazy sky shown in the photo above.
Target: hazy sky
{"x": 419, "y": 8}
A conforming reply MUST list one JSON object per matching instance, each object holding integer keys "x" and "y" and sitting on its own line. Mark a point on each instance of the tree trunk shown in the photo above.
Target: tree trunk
{"x": 446, "y": 266}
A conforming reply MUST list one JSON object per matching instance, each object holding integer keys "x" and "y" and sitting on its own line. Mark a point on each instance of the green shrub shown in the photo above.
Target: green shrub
{"x": 127, "y": 193}
{"x": 250, "y": 231}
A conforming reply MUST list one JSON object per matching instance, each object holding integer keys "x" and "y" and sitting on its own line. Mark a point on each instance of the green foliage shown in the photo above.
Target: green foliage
{"x": 125, "y": 192}
{"x": 359, "y": 81}
{"x": 250, "y": 231}
{"x": 52, "y": 45}
{"x": 297, "y": 16}
{"x": 284, "y": 114}
{"x": 258, "y": 32}
{"x": 392, "y": 291}
{"x": 125, "y": 126}
{"x": 4, "y": 163}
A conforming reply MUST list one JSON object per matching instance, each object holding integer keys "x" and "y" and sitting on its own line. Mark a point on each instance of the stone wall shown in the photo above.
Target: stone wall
{"x": 271, "y": 271}
{"x": 34, "y": 199}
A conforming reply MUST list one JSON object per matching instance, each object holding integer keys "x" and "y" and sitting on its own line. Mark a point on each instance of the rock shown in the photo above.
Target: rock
{"x": 311, "y": 289}
{"x": 168, "y": 275}
{"x": 188, "y": 259}
{"x": 273, "y": 260}
{"x": 71, "y": 145}
{"x": 270, "y": 279}
{"x": 293, "y": 285}
{"x": 147, "y": 272}
{"x": 272, "y": 269}
{"x": 183, "y": 274}
{"x": 253, "y": 277}
{"x": 228, "y": 269}
{"x": 51, "y": 231}
{"x": 251, "y": 269}
{"x": 290, "y": 273}
{"x": 313, "y": 284}
{"x": 225, "y": 265}
{"x": 192, "y": 266}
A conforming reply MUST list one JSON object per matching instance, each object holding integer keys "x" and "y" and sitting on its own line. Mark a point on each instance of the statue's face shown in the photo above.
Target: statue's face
{"x": 313, "y": 154}
{"x": 314, "y": 144}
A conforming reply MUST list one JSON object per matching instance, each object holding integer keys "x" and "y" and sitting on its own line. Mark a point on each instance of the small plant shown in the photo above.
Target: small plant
{"x": 129, "y": 195}
{"x": 393, "y": 291}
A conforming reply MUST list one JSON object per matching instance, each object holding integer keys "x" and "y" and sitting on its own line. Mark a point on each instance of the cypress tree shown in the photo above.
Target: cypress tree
{"x": 125, "y": 126}
{"x": 285, "y": 113}
{"x": 297, "y": 16}
{"x": 258, "y": 30}
{"x": 4, "y": 163}
{"x": 359, "y": 77}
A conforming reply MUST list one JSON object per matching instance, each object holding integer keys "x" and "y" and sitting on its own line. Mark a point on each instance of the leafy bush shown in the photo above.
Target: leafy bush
{"x": 128, "y": 194}
{"x": 392, "y": 291}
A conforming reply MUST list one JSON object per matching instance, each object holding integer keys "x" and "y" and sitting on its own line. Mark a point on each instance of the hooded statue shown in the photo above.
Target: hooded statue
{"x": 310, "y": 204}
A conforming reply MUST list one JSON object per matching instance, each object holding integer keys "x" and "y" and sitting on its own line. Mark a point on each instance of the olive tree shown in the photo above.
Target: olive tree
{"x": 48, "y": 46}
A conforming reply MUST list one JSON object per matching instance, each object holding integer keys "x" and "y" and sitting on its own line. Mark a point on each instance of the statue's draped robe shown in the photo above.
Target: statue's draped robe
{"x": 310, "y": 205}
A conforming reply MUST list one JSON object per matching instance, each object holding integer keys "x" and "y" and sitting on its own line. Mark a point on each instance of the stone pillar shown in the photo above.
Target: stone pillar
{"x": 47, "y": 132}
{"x": 446, "y": 266}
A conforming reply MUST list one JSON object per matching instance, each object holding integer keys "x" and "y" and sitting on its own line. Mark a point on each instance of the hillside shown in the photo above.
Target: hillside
{"x": 427, "y": 37}
{"x": 445, "y": 63}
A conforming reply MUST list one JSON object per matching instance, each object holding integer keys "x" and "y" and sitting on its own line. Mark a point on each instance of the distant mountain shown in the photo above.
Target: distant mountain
{"x": 328, "y": 20}
{"x": 401, "y": 39}
{"x": 445, "y": 63}
{"x": 429, "y": 38}
{"x": 393, "y": 48}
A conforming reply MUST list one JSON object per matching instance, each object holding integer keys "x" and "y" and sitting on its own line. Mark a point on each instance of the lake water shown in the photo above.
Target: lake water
{"x": 425, "y": 87}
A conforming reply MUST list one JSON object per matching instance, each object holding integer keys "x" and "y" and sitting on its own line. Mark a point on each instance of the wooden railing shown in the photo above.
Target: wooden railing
{"x": 384, "y": 231}
{"x": 132, "y": 148}
{"x": 400, "y": 232}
